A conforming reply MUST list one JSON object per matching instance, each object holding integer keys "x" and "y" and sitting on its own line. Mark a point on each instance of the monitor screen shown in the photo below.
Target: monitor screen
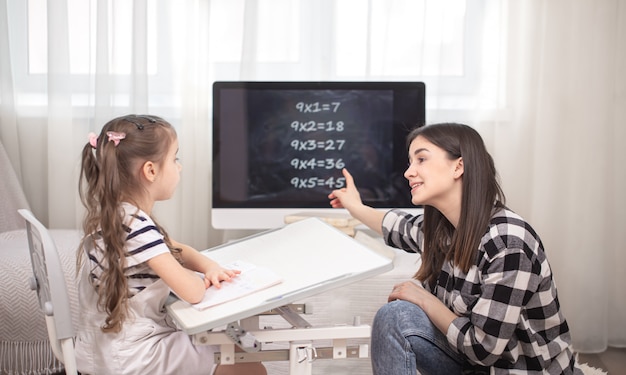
{"x": 279, "y": 147}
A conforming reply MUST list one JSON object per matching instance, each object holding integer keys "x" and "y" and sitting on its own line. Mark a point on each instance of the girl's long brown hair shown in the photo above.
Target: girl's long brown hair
{"x": 481, "y": 194}
{"x": 109, "y": 176}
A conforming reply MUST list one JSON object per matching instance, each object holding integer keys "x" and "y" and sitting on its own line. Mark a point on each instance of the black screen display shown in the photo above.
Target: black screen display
{"x": 283, "y": 144}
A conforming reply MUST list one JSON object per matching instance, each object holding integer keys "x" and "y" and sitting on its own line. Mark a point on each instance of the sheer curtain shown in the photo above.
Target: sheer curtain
{"x": 543, "y": 82}
{"x": 567, "y": 92}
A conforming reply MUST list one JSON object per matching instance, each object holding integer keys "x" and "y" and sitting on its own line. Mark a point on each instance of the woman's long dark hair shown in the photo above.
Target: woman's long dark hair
{"x": 481, "y": 193}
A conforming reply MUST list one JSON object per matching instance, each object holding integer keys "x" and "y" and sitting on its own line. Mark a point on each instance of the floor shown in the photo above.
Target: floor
{"x": 613, "y": 360}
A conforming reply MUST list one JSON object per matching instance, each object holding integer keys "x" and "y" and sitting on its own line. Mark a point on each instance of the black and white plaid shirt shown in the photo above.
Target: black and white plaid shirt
{"x": 509, "y": 314}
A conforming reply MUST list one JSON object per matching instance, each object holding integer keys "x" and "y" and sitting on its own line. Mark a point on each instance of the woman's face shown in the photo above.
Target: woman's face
{"x": 433, "y": 177}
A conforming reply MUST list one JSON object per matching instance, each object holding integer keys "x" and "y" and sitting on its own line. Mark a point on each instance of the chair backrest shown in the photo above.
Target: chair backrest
{"x": 49, "y": 282}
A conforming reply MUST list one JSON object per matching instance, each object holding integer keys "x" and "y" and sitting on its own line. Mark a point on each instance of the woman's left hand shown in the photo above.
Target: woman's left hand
{"x": 411, "y": 291}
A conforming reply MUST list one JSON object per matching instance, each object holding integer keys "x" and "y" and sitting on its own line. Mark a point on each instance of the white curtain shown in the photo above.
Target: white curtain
{"x": 543, "y": 81}
{"x": 567, "y": 91}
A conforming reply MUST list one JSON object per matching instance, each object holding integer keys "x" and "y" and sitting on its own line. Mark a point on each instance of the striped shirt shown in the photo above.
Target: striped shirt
{"x": 143, "y": 242}
{"x": 509, "y": 317}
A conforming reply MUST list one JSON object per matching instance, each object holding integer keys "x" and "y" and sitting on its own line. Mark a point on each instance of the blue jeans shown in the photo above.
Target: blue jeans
{"x": 405, "y": 340}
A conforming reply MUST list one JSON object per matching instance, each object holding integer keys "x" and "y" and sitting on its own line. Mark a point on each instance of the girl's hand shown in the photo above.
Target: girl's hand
{"x": 215, "y": 274}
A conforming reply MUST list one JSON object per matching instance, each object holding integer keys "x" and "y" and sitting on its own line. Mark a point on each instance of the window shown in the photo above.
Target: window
{"x": 83, "y": 22}
{"x": 452, "y": 45}
{"x": 404, "y": 38}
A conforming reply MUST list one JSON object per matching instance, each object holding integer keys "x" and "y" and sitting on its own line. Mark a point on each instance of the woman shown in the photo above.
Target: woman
{"x": 483, "y": 299}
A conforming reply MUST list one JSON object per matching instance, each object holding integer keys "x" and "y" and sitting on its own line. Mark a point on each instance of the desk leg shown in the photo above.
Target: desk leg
{"x": 227, "y": 352}
{"x": 301, "y": 357}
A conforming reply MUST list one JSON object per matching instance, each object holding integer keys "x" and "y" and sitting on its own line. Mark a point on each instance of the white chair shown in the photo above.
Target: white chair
{"x": 49, "y": 282}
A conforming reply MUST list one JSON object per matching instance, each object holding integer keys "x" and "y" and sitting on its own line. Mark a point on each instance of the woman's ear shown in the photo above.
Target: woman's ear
{"x": 458, "y": 169}
{"x": 149, "y": 171}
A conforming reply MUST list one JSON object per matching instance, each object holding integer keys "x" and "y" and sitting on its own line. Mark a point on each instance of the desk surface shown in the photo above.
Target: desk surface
{"x": 310, "y": 255}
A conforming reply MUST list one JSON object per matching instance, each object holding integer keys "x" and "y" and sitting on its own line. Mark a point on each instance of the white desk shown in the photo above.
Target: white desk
{"x": 311, "y": 256}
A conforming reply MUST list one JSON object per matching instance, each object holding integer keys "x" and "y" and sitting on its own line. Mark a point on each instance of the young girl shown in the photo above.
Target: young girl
{"x": 130, "y": 263}
{"x": 485, "y": 300}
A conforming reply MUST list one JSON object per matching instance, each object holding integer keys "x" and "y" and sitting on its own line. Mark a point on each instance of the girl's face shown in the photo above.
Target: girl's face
{"x": 434, "y": 179}
{"x": 169, "y": 175}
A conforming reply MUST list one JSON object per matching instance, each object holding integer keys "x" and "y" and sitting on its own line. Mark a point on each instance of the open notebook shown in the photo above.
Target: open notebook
{"x": 251, "y": 279}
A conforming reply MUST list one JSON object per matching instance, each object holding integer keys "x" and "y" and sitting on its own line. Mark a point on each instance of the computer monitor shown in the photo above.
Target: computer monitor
{"x": 279, "y": 147}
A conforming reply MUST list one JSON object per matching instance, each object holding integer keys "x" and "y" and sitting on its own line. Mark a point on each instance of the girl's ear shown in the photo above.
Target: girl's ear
{"x": 149, "y": 171}
{"x": 458, "y": 169}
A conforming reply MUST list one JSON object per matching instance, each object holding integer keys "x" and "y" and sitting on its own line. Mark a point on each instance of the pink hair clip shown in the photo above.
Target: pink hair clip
{"x": 116, "y": 137}
{"x": 93, "y": 139}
